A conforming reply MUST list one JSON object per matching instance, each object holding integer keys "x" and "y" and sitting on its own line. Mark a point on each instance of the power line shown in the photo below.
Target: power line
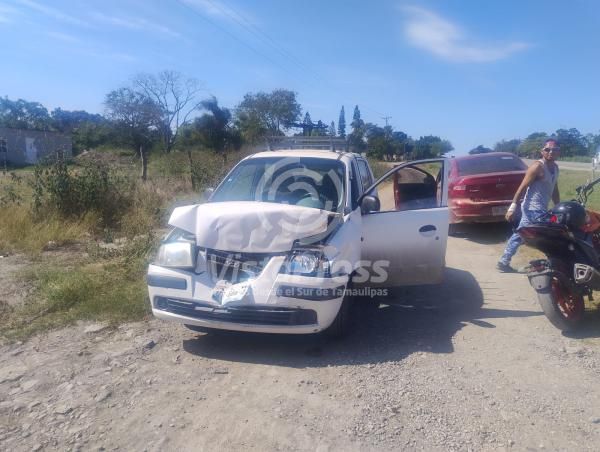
{"x": 266, "y": 39}
{"x": 231, "y": 35}
{"x": 386, "y": 118}
{"x": 275, "y": 45}
{"x": 238, "y": 18}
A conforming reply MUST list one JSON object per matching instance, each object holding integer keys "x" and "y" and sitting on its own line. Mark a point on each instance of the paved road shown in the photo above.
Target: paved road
{"x": 574, "y": 166}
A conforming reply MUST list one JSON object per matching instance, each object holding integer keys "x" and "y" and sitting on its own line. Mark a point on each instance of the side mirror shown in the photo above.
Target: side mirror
{"x": 370, "y": 204}
{"x": 208, "y": 193}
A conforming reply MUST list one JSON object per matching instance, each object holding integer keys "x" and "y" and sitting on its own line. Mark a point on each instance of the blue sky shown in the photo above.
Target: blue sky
{"x": 473, "y": 72}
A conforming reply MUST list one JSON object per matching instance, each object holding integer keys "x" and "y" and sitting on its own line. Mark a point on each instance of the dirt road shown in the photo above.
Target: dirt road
{"x": 471, "y": 365}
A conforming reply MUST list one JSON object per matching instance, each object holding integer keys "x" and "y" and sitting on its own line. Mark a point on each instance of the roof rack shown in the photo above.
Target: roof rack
{"x": 335, "y": 144}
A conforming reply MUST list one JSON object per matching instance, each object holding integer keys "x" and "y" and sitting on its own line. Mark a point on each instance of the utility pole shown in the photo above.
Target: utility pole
{"x": 386, "y": 118}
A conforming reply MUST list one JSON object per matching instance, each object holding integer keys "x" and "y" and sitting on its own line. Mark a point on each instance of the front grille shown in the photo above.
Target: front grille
{"x": 235, "y": 267}
{"x": 255, "y": 315}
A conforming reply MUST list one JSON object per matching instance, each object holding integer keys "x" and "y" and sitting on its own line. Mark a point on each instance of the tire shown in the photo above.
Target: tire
{"x": 456, "y": 229}
{"x": 563, "y": 307}
{"x": 342, "y": 323}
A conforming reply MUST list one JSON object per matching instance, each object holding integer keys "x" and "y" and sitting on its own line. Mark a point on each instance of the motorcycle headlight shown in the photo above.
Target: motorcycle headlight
{"x": 177, "y": 251}
{"x": 306, "y": 263}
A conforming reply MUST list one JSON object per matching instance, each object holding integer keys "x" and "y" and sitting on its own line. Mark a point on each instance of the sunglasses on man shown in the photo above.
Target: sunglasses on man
{"x": 551, "y": 149}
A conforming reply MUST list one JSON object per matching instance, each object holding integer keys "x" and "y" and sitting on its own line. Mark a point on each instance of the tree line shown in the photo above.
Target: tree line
{"x": 572, "y": 144}
{"x": 379, "y": 142}
{"x": 166, "y": 111}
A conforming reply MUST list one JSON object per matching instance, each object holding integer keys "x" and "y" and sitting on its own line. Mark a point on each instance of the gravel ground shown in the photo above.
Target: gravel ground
{"x": 470, "y": 365}
{"x": 12, "y": 292}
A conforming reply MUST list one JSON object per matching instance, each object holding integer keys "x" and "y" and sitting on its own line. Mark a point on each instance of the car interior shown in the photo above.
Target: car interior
{"x": 414, "y": 188}
{"x": 307, "y": 191}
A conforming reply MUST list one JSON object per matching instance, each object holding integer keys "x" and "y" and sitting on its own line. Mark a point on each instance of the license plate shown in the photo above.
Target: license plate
{"x": 497, "y": 211}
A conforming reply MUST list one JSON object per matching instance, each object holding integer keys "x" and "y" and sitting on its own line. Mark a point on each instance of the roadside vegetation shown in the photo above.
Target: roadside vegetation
{"x": 569, "y": 180}
{"x": 579, "y": 159}
{"x": 88, "y": 229}
{"x": 91, "y": 284}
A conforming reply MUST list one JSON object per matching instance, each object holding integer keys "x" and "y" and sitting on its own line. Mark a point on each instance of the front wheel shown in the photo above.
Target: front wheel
{"x": 562, "y": 306}
{"x": 342, "y": 323}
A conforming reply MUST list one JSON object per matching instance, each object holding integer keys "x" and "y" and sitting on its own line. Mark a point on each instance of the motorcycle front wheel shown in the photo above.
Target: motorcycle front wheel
{"x": 562, "y": 306}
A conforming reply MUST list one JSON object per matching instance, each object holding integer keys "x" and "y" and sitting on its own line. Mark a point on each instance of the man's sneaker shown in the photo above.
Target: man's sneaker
{"x": 505, "y": 268}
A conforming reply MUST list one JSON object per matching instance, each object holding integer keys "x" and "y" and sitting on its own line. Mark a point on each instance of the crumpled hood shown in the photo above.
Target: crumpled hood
{"x": 249, "y": 226}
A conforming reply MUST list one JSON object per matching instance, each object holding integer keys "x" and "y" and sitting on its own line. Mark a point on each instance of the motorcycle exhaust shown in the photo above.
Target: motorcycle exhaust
{"x": 585, "y": 274}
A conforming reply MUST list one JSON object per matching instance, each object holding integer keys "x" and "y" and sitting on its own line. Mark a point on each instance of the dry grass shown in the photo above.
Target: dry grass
{"x": 378, "y": 167}
{"x": 109, "y": 290}
{"x": 20, "y": 230}
{"x": 102, "y": 284}
{"x": 169, "y": 185}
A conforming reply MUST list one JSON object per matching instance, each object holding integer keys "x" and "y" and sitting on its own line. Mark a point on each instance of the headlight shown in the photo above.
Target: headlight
{"x": 306, "y": 263}
{"x": 176, "y": 254}
{"x": 177, "y": 251}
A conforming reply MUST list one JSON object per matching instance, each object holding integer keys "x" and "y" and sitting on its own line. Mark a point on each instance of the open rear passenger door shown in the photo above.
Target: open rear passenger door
{"x": 405, "y": 224}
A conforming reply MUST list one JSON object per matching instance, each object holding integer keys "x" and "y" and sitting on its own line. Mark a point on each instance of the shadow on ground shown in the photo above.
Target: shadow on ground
{"x": 485, "y": 233}
{"x": 589, "y": 328}
{"x": 407, "y": 321}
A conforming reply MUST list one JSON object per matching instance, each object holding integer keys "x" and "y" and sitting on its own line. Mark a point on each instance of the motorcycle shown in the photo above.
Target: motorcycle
{"x": 569, "y": 236}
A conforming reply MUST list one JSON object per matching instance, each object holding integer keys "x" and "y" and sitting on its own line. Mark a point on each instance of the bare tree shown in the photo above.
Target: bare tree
{"x": 176, "y": 98}
{"x": 134, "y": 117}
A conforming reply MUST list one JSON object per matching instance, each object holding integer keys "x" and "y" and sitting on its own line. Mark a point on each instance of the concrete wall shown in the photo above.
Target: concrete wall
{"x": 30, "y": 146}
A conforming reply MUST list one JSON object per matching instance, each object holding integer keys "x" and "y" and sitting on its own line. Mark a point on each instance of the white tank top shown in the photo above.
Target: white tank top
{"x": 539, "y": 192}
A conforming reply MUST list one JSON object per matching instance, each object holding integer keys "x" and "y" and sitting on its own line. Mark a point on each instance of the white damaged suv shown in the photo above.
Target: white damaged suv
{"x": 289, "y": 237}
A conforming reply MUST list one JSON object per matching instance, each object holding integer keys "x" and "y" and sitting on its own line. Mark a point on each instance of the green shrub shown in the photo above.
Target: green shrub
{"x": 207, "y": 171}
{"x": 379, "y": 168}
{"x": 11, "y": 193}
{"x": 167, "y": 166}
{"x": 198, "y": 168}
{"x": 94, "y": 188}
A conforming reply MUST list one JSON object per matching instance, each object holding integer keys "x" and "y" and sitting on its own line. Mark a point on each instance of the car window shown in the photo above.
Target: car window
{"x": 237, "y": 184}
{"x": 412, "y": 187}
{"x": 490, "y": 164}
{"x": 365, "y": 175}
{"x": 302, "y": 181}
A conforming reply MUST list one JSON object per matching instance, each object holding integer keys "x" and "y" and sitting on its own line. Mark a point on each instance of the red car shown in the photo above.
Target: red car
{"x": 482, "y": 186}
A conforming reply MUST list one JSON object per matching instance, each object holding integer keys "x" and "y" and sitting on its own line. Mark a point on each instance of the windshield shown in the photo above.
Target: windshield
{"x": 490, "y": 164}
{"x": 301, "y": 181}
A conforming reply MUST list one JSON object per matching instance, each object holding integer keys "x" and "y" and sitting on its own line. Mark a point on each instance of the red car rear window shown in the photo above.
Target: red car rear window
{"x": 490, "y": 164}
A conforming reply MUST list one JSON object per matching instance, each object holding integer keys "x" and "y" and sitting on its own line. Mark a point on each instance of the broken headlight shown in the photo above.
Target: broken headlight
{"x": 307, "y": 262}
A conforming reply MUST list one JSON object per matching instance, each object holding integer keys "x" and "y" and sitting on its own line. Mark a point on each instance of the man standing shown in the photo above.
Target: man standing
{"x": 540, "y": 183}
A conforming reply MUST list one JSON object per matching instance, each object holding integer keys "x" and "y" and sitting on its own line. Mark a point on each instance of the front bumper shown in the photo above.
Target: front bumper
{"x": 274, "y": 303}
